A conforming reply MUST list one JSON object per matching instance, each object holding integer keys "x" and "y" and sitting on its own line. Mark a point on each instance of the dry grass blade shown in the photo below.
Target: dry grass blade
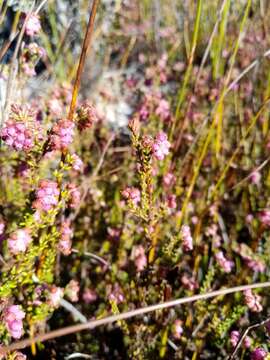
{"x": 126, "y": 315}
{"x": 85, "y": 47}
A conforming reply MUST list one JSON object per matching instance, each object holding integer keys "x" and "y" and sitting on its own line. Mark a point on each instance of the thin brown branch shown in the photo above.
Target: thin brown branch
{"x": 245, "y": 334}
{"x": 85, "y": 47}
{"x": 126, "y": 315}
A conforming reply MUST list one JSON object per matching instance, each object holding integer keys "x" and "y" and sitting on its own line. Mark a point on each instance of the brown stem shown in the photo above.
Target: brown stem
{"x": 126, "y": 315}
{"x": 85, "y": 47}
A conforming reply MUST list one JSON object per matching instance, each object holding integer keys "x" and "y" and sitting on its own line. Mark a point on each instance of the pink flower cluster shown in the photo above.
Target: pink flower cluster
{"x": 32, "y": 26}
{"x": 264, "y": 217}
{"x": 140, "y": 259}
{"x": 87, "y": 116}
{"x": 65, "y": 241}
{"x": 89, "y": 296}
{"x": 177, "y": 329}
{"x": 252, "y": 301}
{"x": 19, "y": 241}
{"x": 186, "y": 238}
{"x": 132, "y": 194}
{"x": 77, "y": 163}
{"x": 55, "y": 296}
{"x": 235, "y": 337}
{"x": 225, "y": 264}
{"x": 169, "y": 179}
{"x": 74, "y": 196}
{"x": 17, "y": 135}
{"x": 47, "y": 195}
{"x": 62, "y": 135}
{"x": 72, "y": 290}
{"x": 258, "y": 354}
{"x": 161, "y": 146}
{"x": 13, "y": 317}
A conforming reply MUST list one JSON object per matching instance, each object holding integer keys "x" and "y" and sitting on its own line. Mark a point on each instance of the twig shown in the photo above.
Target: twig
{"x": 85, "y": 47}
{"x": 244, "y": 335}
{"x": 75, "y": 312}
{"x": 126, "y": 315}
{"x": 94, "y": 256}
{"x": 78, "y": 356}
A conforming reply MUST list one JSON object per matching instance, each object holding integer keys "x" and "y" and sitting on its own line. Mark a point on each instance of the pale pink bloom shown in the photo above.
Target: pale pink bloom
{"x": 13, "y": 317}
{"x": 33, "y": 26}
{"x": 186, "y": 238}
{"x": 55, "y": 296}
{"x": 72, "y": 290}
{"x": 177, "y": 329}
{"x": 89, "y": 296}
{"x": 19, "y": 241}
{"x": 169, "y": 179}
{"x": 17, "y": 355}
{"x": 139, "y": 257}
{"x": 47, "y": 195}
{"x": 163, "y": 110}
{"x": 17, "y": 135}
{"x": 133, "y": 194}
{"x": 234, "y": 337}
{"x": 252, "y": 301}
{"x": 161, "y": 146}
{"x": 171, "y": 201}
{"x": 55, "y": 107}
{"x": 116, "y": 293}
{"x": 77, "y": 163}
{"x": 256, "y": 265}
{"x": 189, "y": 282}
{"x": 225, "y": 264}
{"x": 65, "y": 242}
{"x": 29, "y": 69}
{"x": 2, "y": 227}
{"x": 255, "y": 177}
{"x": 247, "y": 342}
{"x": 249, "y": 218}
{"x": 74, "y": 196}
{"x": 264, "y": 217}
{"x": 62, "y": 135}
{"x": 258, "y": 354}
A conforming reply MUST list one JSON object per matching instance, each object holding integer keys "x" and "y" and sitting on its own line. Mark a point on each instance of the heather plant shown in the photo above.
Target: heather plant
{"x": 134, "y": 180}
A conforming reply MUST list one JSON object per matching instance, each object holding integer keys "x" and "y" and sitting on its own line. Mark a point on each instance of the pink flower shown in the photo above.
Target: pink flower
{"x": 47, "y": 195}
{"x": 62, "y": 135}
{"x": 161, "y": 146}
{"x": 17, "y": 135}
{"x": 189, "y": 282}
{"x": 72, "y": 290}
{"x": 18, "y": 356}
{"x": 132, "y": 194}
{"x": 89, "y": 296}
{"x": 19, "y": 241}
{"x": 171, "y": 201}
{"x": 255, "y": 177}
{"x": 65, "y": 241}
{"x": 264, "y": 217}
{"x": 55, "y": 296}
{"x": 169, "y": 179}
{"x": 33, "y": 26}
{"x": 234, "y": 337}
{"x": 77, "y": 163}
{"x": 258, "y": 354}
{"x": 13, "y": 316}
{"x": 163, "y": 110}
{"x": 139, "y": 257}
{"x": 74, "y": 196}
{"x": 55, "y": 107}
{"x": 2, "y": 227}
{"x": 225, "y": 264}
{"x": 186, "y": 238}
{"x": 87, "y": 116}
{"x": 177, "y": 329}
{"x": 252, "y": 301}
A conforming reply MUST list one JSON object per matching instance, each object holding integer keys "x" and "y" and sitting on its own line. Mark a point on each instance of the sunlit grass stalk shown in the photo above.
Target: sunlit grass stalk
{"x": 204, "y": 149}
{"x": 182, "y": 92}
{"x": 85, "y": 47}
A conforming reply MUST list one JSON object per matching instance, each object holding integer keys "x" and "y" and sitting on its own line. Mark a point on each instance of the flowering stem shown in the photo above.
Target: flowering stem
{"x": 85, "y": 47}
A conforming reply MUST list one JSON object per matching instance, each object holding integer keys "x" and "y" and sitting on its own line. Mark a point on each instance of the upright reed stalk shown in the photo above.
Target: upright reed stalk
{"x": 86, "y": 44}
